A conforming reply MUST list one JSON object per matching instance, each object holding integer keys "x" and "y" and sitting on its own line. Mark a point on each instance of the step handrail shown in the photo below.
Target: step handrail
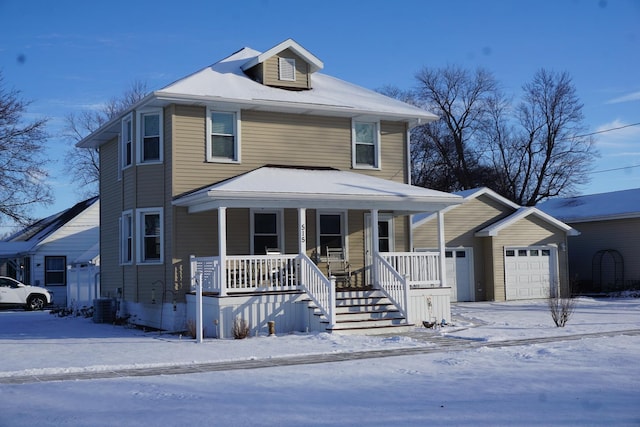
{"x": 393, "y": 285}
{"x": 321, "y": 290}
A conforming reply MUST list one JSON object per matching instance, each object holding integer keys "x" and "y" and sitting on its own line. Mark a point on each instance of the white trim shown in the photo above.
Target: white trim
{"x": 376, "y": 145}
{"x": 279, "y": 227}
{"x": 126, "y": 213}
{"x": 343, "y": 230}
{"x": 237, "y": 135}
{"x": 139, "y": 135}
{"x": 314, "y": 63}
{"x": 554, "y": 264}
{"x": 139, "y": 240}
{"x": 494, "y": 229}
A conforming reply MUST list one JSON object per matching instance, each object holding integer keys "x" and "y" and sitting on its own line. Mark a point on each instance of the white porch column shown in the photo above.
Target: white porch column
{"x": 375, "y": 238}
{"x": 442, "y": 247}
{"x": 222, "y": 249}
{"x": 302, "y": 231}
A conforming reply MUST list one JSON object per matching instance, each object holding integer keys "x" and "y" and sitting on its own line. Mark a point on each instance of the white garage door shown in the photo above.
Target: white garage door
{"x": 528, "y": 271}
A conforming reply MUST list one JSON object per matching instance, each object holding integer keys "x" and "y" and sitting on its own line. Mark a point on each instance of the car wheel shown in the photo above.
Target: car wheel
{"x": 36, "y": 302}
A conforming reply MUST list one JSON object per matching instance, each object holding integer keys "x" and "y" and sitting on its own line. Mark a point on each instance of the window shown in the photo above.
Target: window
{"x": 150, "y": 236}
{"x": 287, "y": 69}
{"x": 126, "y": 225}
{"x": 150, "y": 141}
{"x": 366, "y": 138}
{"x": 224, "y": 136}
{"x": 127, "y": 141}
{"x": 55, "y": 268}
{"x": 265, "y": 232}
{"x": 331, "y": 231}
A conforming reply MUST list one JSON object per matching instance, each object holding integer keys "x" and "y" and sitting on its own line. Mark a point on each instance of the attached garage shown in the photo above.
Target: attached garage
{"x": 459, "y": 264}
{"x": 530, "y": 272}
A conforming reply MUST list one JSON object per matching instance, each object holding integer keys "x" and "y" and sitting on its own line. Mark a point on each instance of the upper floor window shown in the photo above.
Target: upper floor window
{"x": 287, "y": 69}
{"x": 366, "y": 144}
{"x": 127, "y": 141}
{"x": 150, "y": 140}
{"x": 150, "y": 235}
{"x": 224, "y": 136}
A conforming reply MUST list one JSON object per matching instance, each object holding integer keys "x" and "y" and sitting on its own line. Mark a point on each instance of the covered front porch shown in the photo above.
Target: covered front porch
{"x": 296, "y": 289}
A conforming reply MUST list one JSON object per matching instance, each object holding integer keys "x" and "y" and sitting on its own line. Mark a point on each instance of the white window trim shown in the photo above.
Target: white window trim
{"x": 279, "y": 226}
{"x": 343, "y": 226}
{"x": 285, "y": 64}
{"x": 139, "y": 237}
{"x": 123, "y": 246}
{"x": 376, "y": 145}
{"x": 238, "y": 121}
{"x": 123, "y": 142}
{"x": 139, "y": 134}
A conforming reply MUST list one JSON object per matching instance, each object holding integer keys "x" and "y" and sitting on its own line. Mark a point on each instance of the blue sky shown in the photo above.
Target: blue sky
{"x": 72, "y": 55}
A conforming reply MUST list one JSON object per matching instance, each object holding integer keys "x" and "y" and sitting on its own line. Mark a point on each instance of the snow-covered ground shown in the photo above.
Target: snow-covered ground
{"x": 591, "y": 381}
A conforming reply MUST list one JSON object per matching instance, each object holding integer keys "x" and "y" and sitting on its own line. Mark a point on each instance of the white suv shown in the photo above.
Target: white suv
{"x": 15, "y": 293}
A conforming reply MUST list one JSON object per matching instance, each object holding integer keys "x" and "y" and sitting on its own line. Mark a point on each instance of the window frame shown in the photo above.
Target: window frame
{"x": 376, "y": 145}
{"x": 126, "y": 147}
{"x": 279, "y": 228}
{"x": 63, "y": 270}
{"x": 343, "y": 232}
{"x": 141, "y": 236}
{"x": 237, "y": 136}
{"x": 140, "y": 136}
{"x": 290, "y": 65}
{"x": 124, "y": 238}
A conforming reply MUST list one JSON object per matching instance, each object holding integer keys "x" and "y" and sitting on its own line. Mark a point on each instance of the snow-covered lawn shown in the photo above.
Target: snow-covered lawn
{"x": 591, "y": 381}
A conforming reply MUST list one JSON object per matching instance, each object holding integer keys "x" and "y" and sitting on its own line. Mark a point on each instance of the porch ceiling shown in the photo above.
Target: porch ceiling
{"x": 286, "y": 187}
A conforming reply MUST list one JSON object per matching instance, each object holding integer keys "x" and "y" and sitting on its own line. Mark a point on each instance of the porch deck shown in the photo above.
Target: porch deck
{"x": 295, "y": 280}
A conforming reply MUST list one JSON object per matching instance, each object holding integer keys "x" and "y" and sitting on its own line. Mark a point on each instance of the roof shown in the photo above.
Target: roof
{"x": 595, "y": 207}
{"x": 467, "y": 195}
{"x": 495, "y": 228}
{"x": 319, "y": 188}
{"x": 27, "y": 238}
{"x": 224, "y": 84}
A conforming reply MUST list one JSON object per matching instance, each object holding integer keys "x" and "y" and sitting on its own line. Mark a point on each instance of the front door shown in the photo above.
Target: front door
{"x": 385, "y": 240}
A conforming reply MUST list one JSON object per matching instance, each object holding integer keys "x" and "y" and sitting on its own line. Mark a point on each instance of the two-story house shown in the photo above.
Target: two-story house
{"x": 257, "y": 179}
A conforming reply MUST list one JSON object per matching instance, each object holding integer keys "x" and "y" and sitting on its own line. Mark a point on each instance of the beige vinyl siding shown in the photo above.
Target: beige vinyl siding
{"x": 150, "y": 186}
{"x": 271, "y": 71}
{"x": 110, "y": 212}
{"x": 622, "y": 235}
{"x": 277, "y": 138}
{"x": 529, "y": 231}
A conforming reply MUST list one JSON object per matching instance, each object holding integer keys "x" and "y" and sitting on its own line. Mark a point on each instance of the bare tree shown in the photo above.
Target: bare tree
{"x": 82, "y": 163}
{"x": 23, "y": 176}
{"x": 554, "y": 157}
{"x": 460, "y": 98}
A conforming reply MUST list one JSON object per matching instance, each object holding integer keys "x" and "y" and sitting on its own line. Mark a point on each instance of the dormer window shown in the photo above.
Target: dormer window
{"x": 287, "y": 69}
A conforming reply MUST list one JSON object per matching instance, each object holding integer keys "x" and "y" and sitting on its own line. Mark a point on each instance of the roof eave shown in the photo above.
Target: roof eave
{"x": 311, "y": 59}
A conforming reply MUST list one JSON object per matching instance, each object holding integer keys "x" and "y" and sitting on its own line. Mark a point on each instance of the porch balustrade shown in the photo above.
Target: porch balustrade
{"x": 421, "y": 268}
{"x": 393, "y": 285}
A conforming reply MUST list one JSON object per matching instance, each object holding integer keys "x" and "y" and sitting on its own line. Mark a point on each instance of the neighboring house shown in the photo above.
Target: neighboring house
{"x": 497, "y": 250}
{"x": 605, "y": 255}
{"x": 256, "y": 165}
{"x": 41, "y": 253}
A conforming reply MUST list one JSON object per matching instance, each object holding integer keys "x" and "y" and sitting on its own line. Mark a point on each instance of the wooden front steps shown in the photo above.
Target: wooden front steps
{"x": 365, "y": 312}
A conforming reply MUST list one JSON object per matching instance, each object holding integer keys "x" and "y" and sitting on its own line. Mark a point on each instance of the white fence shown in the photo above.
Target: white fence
{"x": 83, "y": 285}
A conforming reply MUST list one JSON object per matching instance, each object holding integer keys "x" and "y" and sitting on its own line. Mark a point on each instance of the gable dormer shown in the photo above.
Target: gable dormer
{"x": 287, "y": 65}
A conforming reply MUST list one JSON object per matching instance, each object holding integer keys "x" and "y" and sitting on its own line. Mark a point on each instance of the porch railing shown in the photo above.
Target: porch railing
{"x": 421, "y": 268}
{"x": 393, "y": 285}
{"x": 321, "y": 290}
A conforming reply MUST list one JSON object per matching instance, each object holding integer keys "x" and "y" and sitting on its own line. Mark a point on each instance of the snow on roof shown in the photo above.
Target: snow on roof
{"x": 225, "y": 81}
{"x": 523, "y": 212}
{"x": 276, "y": 186}
{"x": 311, "y": 59}
{"x": 467, "y": 195}
{"x": 595, "y": 207}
